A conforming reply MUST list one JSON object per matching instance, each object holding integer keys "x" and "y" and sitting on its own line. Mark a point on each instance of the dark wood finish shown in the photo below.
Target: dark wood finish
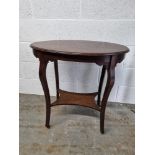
{"x": 110, "y": 82}
{"x": 79, "y": 47}
{"x": 104, "y": 54}
{"x": 56, "y": 77}
{"x": 82, "y": 99}
{"x": 100, "y": 85}
{"x": 43, "y": 79}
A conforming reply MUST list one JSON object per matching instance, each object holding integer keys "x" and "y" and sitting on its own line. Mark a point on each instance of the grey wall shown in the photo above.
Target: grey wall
{"x": 100, "y": 20}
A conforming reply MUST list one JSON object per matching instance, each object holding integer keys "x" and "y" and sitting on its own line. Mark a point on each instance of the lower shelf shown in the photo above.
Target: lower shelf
{"x": 81, "y": 99}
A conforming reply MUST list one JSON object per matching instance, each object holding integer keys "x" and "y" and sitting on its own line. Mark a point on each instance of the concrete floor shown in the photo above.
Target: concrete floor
{"x": 75, "y": 130}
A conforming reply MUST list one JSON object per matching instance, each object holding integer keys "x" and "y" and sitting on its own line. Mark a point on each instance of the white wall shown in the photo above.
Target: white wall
{"x": 100, "y": 20}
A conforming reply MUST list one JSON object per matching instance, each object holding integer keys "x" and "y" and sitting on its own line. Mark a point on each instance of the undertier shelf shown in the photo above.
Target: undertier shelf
{"x": 81, "y": 99}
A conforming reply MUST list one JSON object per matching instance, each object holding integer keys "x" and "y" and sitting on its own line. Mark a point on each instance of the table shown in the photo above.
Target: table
{"x": 103, "y": 54}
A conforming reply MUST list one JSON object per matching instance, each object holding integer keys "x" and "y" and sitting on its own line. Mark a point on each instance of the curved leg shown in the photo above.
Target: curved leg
{"x": 56, "y": 77}
{"x": 100, "y": 85}
{"x": 43, "y": 79}
{"x": 109, "y": 85}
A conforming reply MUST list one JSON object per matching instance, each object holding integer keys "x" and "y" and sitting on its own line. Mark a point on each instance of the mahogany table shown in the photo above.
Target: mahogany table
{"x": 101, "y": 53}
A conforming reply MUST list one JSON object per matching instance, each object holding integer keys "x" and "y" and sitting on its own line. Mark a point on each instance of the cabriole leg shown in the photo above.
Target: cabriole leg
{"x": 110, "y": 82}
{"x": 43, "y": 79}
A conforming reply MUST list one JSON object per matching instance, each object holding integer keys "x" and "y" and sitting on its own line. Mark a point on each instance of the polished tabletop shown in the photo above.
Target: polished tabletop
{"x": 80, "y": 47}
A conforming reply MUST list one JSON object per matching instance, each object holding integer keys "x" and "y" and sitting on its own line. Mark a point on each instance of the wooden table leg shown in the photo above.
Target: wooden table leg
{"x": 56, "y": 77}
{"x": 110, "y": 82}
{"x": 100, "y": 85}
{"x": 43, "y": 79}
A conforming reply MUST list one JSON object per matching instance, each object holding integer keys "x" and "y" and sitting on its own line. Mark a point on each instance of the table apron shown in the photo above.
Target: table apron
{"x": 99, "y": 60}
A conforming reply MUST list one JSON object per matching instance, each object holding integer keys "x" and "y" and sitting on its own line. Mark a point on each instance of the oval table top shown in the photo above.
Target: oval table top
{"x": 80, "y": 47}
